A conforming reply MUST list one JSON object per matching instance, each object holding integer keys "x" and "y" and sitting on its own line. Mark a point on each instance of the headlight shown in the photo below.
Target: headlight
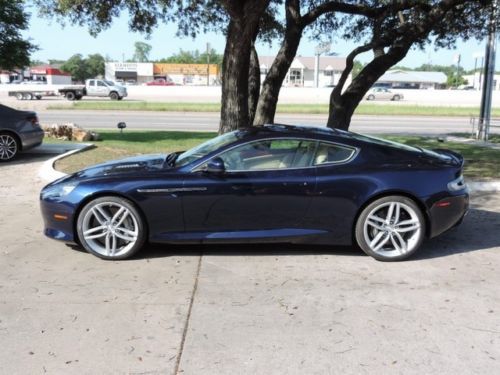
{"x": 58, "y": 191}
{"x": 457, "y": 184}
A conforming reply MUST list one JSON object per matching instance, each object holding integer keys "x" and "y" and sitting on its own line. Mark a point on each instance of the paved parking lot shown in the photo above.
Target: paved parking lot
{"x": 244, "y": 309}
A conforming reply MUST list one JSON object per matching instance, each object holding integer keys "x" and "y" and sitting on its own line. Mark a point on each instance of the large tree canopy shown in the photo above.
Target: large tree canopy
{"x": 387, "y": 28}
{"x": 14, "y": 49}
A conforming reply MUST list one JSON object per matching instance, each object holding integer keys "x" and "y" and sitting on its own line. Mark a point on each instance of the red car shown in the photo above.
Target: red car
{"x": 160, "y": 82}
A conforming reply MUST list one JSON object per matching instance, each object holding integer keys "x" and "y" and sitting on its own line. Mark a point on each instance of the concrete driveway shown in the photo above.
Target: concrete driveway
{"x": 244, "y": 309}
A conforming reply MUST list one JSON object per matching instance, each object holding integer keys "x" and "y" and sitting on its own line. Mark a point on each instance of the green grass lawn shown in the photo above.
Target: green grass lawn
{"x": 481, "y": 162}
{"x": 399, "y": 109}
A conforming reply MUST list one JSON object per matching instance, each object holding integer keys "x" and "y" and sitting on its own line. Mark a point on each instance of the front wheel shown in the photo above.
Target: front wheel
{"x": 391, "y": 228}
{"x": 111, "y": 228}
{"x": 114, "y": 96}
{"x": 70, "y": 95}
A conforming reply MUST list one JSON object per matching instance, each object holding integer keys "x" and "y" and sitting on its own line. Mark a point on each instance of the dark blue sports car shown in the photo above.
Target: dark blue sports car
{"x": 275, "y": 183}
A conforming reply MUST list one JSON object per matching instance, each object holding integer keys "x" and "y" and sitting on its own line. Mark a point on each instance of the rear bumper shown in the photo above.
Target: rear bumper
{"x": 447, "y": 213}
{"x": 31, "y": 139}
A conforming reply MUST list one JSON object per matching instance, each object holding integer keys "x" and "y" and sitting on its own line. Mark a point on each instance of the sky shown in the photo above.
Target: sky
{"x": 117, "y": 42}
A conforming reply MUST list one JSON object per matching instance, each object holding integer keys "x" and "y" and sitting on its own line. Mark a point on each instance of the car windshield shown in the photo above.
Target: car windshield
{"x": 207, "y": 147}
{"x": 109, "y": 83}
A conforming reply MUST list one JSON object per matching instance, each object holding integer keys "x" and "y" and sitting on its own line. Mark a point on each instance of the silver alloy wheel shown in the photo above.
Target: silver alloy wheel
{"x": 8, "y": 147}
{"x": 110, "y": 229}
{"x": 392, "y": 229}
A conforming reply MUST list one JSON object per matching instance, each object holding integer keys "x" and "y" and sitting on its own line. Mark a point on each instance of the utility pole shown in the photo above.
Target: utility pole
{"x": 208, "y": 64}
{"x": 489, "y": 74}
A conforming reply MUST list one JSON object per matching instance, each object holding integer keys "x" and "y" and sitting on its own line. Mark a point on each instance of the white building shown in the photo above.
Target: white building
{"x": 303, "y": 70}
{"x": 476, "y": 81}
{"x": 411, "y": 79}
{"x": 131, "y": 72}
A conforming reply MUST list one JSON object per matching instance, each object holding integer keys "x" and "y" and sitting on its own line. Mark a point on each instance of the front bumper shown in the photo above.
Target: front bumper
{"x": 58, "y": 221}
{"x": 447, "y": 213}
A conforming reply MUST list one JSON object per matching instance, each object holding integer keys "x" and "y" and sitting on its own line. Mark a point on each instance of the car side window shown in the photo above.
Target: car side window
{"x": 329, "y": 153}
{"x": 270, "y": 155}
{"x": 100, "y": 83}
{"x": 91, "y": 82}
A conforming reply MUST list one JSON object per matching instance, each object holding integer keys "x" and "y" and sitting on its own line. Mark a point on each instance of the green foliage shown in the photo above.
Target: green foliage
{"x": 84, "y": 68}
{"x": 142, "y": 51}
{"x": 95, "y": 65}
{"x": 14, "y": 49}
{"x": 193, "y": 57}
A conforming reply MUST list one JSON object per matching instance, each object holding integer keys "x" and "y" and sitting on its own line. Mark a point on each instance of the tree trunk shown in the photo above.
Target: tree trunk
{"x": 244, "y": 16}
{"x": 342, "y": 106}
{"x": 235, "y": 65}
{"x": 253, "y": 84}
{"x": 268, "y": 101}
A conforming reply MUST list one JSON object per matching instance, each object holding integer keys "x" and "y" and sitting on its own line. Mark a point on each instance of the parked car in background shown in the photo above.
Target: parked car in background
{"x": 274, "y": 183}
{"x": 160, "y": 82}
{"x": 382, "y": 93}
{"x": 19, "y": 131}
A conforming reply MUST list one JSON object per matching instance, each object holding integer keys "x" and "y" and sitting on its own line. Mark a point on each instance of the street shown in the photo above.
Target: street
{"x": 210, "y": 121}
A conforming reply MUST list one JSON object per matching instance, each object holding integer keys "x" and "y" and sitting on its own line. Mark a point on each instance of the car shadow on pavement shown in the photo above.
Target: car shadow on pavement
{"x": 480, "y": 230}
{"x": 274, "y": 249}
{"x": 26, "y": 158}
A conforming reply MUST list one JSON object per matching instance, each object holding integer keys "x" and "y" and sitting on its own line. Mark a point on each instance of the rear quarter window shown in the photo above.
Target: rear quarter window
{"x": 328, "y": 153}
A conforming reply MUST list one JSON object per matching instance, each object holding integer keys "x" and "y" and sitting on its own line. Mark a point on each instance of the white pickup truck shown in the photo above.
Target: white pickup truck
{"x": 92, "y": 87}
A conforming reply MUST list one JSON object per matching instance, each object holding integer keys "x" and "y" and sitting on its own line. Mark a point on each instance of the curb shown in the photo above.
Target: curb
{"x": 47, "y": 171}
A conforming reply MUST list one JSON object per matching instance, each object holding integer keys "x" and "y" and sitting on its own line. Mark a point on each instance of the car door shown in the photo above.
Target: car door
{"x": 101, "y": 88}
{"x": 267, "y": 186}
{"x": 333, "y": 206}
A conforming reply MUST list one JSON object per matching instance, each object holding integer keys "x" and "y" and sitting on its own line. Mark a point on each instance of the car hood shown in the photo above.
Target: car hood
{"x": 127, "y": 166}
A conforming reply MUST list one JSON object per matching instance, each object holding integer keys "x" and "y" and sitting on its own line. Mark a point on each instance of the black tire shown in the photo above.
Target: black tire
{"x": 19, "y": 96}
{"x": 78, "y": 97}
{"x": 38, "y": 97}
{"x": 120, "y": 98}
{"x": 370, "y": 97}
{"x": 135, "y": 218}
{"x": 9, "y": 146}
{"x": 396, "y": 98}
{"x": 70, "y": 95}
{"x": 408, "y": 210}
{"x": 114, "y": 95}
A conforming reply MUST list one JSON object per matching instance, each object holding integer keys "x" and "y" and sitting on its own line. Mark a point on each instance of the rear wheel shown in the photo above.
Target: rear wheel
{"x": 111, "y": 228}
{"x": 396, "y": 98}
{"x": 391, "y": 228}
{"x": 19, "y": 96}
{"x": 70, "y": 95}
{"x": 370, "y": 97}
{"x": 9, "y": 147}
{"x": 28, "y": 96}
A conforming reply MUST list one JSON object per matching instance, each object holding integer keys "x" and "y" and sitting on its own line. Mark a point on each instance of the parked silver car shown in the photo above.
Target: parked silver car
{"x": 19, "y": 130}
{"x": 382, "y": 93}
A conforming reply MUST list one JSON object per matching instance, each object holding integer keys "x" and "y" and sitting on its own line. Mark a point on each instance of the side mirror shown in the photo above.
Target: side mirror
{"x": 216, "y": 166}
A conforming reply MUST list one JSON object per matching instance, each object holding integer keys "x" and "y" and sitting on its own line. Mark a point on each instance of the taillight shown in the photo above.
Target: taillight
{"x": 34, "y": 121}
